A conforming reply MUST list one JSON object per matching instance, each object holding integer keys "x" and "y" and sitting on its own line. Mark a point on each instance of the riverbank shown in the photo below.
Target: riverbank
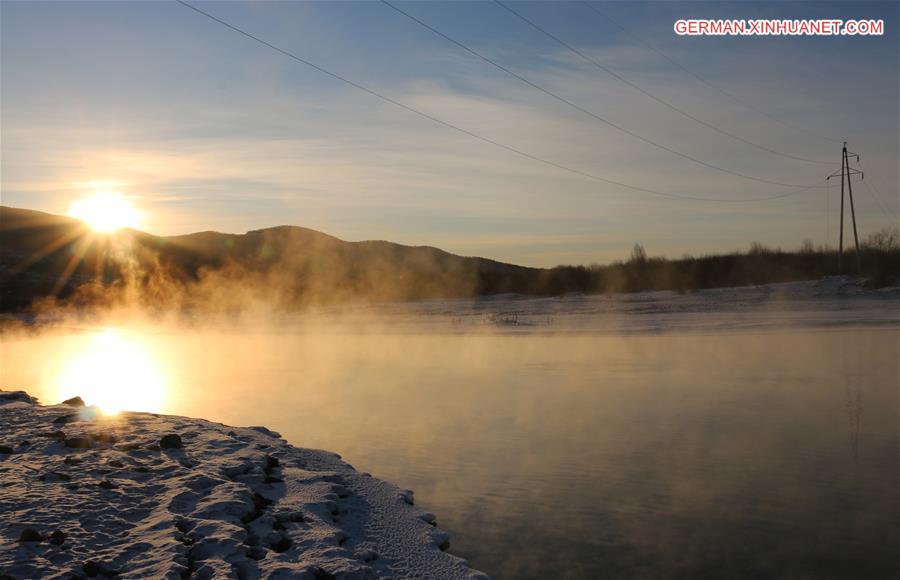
{"x": 146, "y": 495}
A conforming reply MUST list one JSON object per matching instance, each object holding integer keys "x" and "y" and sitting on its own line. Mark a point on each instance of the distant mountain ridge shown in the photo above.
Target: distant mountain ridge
{"x": 46, "y": 257}
{"x": 40, "y": 258}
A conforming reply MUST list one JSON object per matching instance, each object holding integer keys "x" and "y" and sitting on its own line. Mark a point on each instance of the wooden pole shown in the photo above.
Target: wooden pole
{"x": 841, "y": 239}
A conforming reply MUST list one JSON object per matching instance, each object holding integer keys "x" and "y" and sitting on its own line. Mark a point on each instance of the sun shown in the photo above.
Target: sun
{"x": 105, "y": 212}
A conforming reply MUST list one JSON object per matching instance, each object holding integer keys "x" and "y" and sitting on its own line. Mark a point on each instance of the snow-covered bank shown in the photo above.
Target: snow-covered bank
{"x": 145, "y": 495}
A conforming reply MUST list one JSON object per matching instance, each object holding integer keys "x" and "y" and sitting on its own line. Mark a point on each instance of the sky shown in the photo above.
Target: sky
{"x": 203, "y": 128}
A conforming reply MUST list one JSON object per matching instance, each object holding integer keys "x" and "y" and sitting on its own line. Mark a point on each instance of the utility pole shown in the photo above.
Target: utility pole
{"x": 847, "y": 171}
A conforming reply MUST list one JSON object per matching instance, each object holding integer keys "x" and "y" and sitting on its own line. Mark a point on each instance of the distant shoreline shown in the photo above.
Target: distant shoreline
{"x": 49, "y": 261}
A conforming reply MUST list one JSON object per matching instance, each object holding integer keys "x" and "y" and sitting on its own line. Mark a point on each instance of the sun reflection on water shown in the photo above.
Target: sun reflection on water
{"x": 115, "y": 372}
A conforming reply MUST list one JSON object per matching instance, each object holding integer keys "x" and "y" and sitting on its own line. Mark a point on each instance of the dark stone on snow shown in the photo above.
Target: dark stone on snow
{"x": 78, "y": 443}
{"x": 62, "y": 419}
{"x": 20, "y": 396}
{"x": 6, "y": 449}
{"x": 30, "y": 535}
{"x": 103, "y": 438}
{"x": 93, "y": 569}
{"x": 57, "y": 538}
{"x": 282, "y": 545}
{"x": 321, "y": 574}
{"x": 260, "y": 501}
{"x": 171, "y": 441}
{"x": 73, "y": 402}
{"x": 256, "y": 552}
{"x": 107, "y": 484}
{"x": 58, "y": 435}
{"x": 250, "y": 516}
{"x": 54, "y": 475}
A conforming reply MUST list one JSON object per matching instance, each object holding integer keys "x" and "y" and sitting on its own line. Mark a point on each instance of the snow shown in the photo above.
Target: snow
{"x": 141, "y": 495}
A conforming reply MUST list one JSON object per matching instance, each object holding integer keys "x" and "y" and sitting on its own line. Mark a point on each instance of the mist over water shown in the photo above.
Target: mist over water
{"x": 652, "y": 436}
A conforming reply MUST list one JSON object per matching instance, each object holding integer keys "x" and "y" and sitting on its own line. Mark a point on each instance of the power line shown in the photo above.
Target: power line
{"x": 582, "y": 109}
{"x": 881, "y": 206}
{"x": 873, "y": 190}
{"x": 476, "y": 135}
{"x": 715, "y": 87}
{"x": 647, "y": 93}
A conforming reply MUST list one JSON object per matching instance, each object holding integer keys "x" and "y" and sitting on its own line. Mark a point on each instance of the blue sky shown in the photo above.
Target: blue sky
{"x": 205, "y": 129}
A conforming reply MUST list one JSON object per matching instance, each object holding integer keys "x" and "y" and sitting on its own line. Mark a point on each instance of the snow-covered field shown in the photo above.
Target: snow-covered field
{"x": 140, "y": 495}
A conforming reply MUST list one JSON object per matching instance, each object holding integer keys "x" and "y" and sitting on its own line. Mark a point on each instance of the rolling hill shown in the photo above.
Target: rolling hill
{"x": 44, "y": 255}
{"x": 49, "y": 257}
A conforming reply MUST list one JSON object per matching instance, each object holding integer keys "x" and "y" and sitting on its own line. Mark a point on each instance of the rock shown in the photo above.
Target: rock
{"x": 103, "y": 438}
{"x": 367, "y": 555}
{"x": 407, "y": 496}
{"x": 170, "y": 441}
{"x": 71, "y": 460}
{"x": 73, "y": 402}
{"x": 260, "y": 501}
{"x": 291, "y": 516}
{"x": 116, "y": 463}
{"x": 256, "y": 552}
{"x": 92, "y": 569}
{"x": 78, "y": 443}
{"x": 321, "y": 574}
{"x": 16, "y": 397}
{"x": 107, "y": 484}
{"x": 70, "y": 418}
{"x": 281, "y": 544}
{"x": 58, "y": 435}
{"x": 57, "y": 538}
{"x": 6, "y": 449}
{"x": 30, "y": 535}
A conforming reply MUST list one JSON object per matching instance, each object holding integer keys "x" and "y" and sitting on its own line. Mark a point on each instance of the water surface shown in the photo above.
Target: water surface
{"x": 634, "y": 439}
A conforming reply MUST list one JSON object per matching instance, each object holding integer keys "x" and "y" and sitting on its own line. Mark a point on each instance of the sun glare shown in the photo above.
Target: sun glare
{"x": 115, "y": 373}
{"x": 105, "y": 212}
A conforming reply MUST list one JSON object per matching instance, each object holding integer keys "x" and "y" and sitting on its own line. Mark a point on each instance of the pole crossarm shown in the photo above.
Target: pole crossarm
{"x": 851, "y": 172}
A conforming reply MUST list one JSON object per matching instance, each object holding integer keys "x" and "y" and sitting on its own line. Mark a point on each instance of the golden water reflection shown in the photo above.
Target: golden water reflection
{"x": 113, "y": 371}
{"x": 552, "y": 455}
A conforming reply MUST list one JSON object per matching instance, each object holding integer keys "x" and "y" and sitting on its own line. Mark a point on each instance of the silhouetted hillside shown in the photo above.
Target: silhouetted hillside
{"x": 44, "y": 256}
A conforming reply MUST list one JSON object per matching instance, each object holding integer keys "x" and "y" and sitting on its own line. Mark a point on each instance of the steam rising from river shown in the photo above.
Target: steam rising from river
{"x": 570, "y": 437}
